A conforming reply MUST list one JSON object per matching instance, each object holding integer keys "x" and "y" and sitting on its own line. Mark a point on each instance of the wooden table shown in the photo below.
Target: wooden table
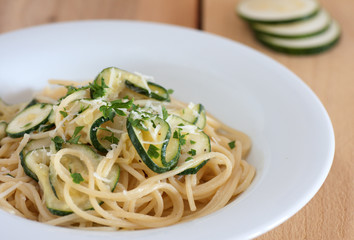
{"x": 330, "y": 214}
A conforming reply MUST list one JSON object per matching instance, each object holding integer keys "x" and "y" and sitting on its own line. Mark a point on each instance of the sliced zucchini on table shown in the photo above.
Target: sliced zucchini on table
{"x": 29, "y": 120}
{"x": 308, "y": 45}
{"x": 194, "y": 113}
{"x": 275, "y": 11}
{"x": 312, "y": 26}
{"x": 3, "y": 126}
{"x": 34, "y": 144}
{"x": 151, "y": 137}
{"x": 193, "y": 142}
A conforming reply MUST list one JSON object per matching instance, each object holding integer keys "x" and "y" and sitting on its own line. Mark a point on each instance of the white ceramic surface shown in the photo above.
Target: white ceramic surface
{"x": 293, "y": 139}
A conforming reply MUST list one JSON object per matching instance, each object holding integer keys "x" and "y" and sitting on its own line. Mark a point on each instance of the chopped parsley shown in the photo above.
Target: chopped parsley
{"x": 112, "y": 139}
{"x": 97, "y": 90}
{"x": 188, "y": 158}
{"x": 77, "y": 178}
{"x": 138, "y": 123}
{"x": 71, "y": 89}
{"x": 75, "y": 138}
{"x": 63, "y": 113}
{"x": 170, "y": 91}
{"x": 192, "y": 142}
{"x": 115, "y": 107}
{"x": 8, "y": 174}
{"x": 192, "y": 152}
{"x": 164, "y": 113}
{"x": 231, "y": 144}
{"x": 182, "y": 139}
{"x": 107, "y": 112}
{"x": 153, "y": 124}
{"x": 83, "y": 108}
{"x": 153, "y": 151}
{"x": 175, "y": 135}
{"x": 58, "y": 142}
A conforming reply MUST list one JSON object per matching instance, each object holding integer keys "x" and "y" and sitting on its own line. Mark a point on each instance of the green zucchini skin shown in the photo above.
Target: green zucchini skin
{"x": 59, "y": 213}
{"x": 306, "y": 17}
{"x": 93, "y": 134}
{"x": 30, "y": 146}
{"x": 303, "y": 51}
{"x": 188, "y": 114}
{"x": 194, "y": 170}
{"x": 163, "y": 96}
{"x": 53, "y": 203}
{"x": 12, "y": 125}
{"x": 3, "y": 126}
{"x": 119, "y": 79}
{"x": 274, "y": 12}
{"x": 201, "y": 120}
{"x": 201, "y": 142}
{"x": 144, "y": 155}
{"x": 302, "y": 29}
{"x": 54, "y": 184}
{"x": 257, "y": 32}
{"x": 26, "y": 169}
{"x": 31, "y": 103}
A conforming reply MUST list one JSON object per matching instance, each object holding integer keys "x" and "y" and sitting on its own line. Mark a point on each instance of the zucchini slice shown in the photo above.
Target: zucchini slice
{"x": 104, "y": 133}
{"x": 275, "y": 11}
{"x": 117, "y": 79}
{"x": 312, "y": 26}
{"x": 114, "y": 80}
{"x": 148, "y": 89}
{"x": 30, "y": 146}
{"x": 193, "y": 142}
{"x": 75, "y": 166}
{"x": 37, "y": 161}
{"x": 3, "y": 126}
{"x": 194, "y": 114}
{"x": 29, "y": 120}
{"x": 31, "y": 103}
{"x": 49, "y": 125}
{"x": 308, "y": 45}
{"x": 151, "y": 137}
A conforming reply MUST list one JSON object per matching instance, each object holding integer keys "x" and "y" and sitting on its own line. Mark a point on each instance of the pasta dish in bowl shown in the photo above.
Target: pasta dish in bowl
{"x": 117, "y": 153}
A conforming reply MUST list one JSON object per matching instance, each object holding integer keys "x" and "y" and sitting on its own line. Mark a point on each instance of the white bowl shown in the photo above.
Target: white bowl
{"x": 293, "y": 139}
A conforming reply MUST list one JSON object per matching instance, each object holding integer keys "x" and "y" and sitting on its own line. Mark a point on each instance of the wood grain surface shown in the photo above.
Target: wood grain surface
{"x": 15, "y": 14}
{"x": 330, "y": 214}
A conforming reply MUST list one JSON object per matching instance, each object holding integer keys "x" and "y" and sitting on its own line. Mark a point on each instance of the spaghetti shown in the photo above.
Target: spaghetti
{"x": 167, "y": 190}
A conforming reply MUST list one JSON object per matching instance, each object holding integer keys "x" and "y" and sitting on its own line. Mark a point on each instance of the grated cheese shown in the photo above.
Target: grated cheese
{"x": 103, "y": 179}
{"x": 144, "y": 81}
{"x": 114, "y": 130}
{"x": 147, "y": 142}
{"x": 190, "y": 128}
